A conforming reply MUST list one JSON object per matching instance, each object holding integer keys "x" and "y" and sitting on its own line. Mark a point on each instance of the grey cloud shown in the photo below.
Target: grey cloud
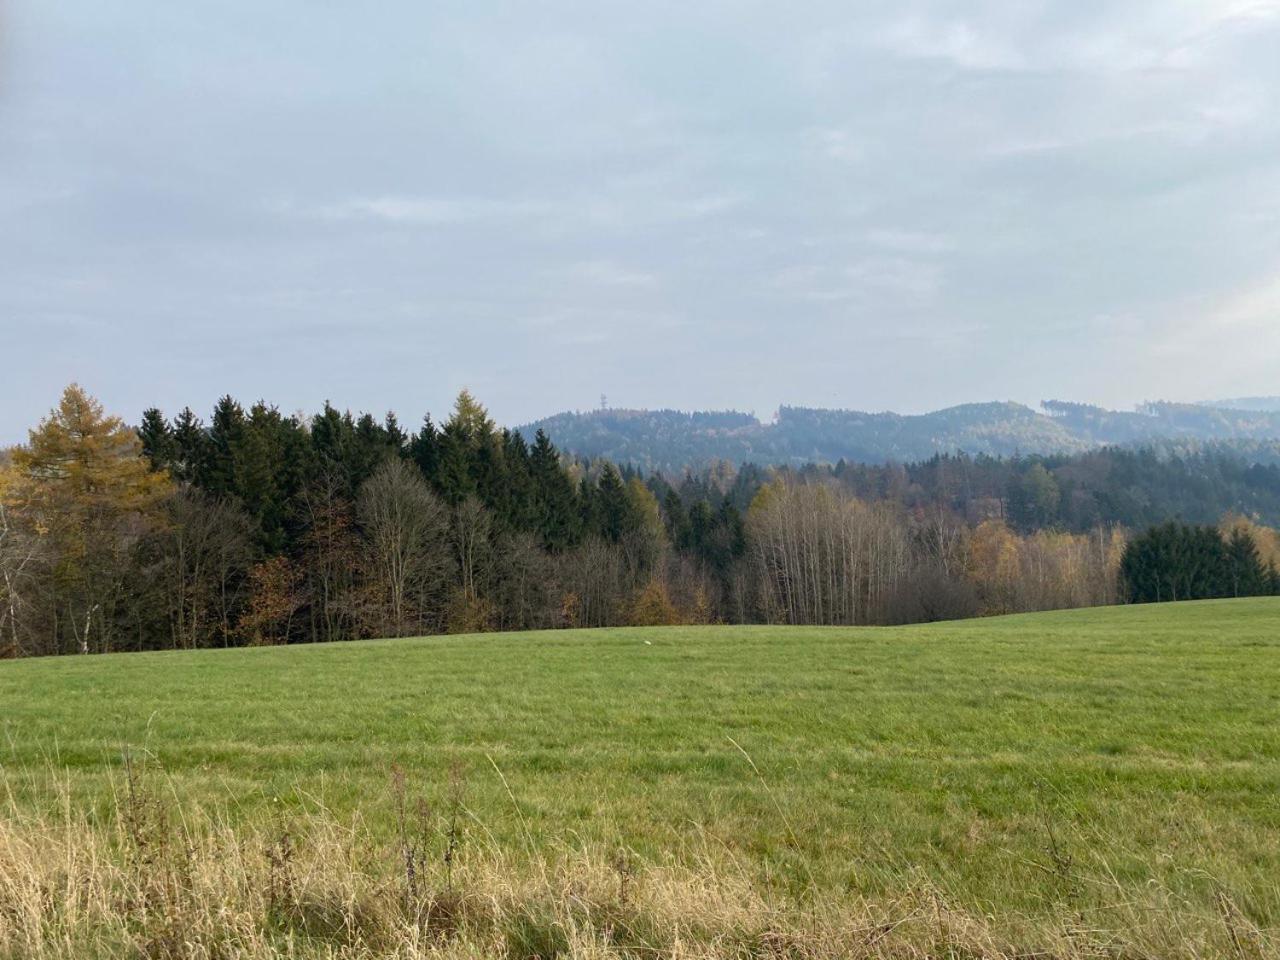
{"x": 721, "y": 204}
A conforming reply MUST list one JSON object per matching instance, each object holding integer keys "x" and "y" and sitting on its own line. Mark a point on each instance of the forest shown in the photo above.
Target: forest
{"x": 672, "y": 440}
{"x": 259, "y": 527}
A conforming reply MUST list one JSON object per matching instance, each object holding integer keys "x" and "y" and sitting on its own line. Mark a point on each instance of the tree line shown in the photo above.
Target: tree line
{"x": 258, "y": 527}
{"x": 673, "y": 440}
{"x": 1178, "y": 561}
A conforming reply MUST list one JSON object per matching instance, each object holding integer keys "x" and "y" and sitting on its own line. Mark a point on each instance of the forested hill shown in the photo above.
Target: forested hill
{"x": 672, "y": 440}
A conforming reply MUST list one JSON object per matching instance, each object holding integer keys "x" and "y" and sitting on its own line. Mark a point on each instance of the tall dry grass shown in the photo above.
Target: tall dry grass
{"x": 156, "y": 880}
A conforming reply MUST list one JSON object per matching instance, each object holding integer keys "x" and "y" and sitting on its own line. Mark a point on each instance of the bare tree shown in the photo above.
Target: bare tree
{"x": 523, "y": 587}
{"x": 405, "y": 527}
{"x": 332, "y": 551}
{"x": 594, "y": 584}
{"x": 206, "y": 552}
{"x": 471, "y": 529}
{"x": 822, "y": 556}
{"x": 22, "y": 559}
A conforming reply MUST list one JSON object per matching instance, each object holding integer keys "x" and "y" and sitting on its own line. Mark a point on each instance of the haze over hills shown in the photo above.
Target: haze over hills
{"x": 1264, "y": 404}
{"x": 673, "y": 440}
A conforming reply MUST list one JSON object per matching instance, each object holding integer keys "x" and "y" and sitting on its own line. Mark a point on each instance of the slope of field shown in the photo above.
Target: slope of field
{"x": 1143, "y": 741}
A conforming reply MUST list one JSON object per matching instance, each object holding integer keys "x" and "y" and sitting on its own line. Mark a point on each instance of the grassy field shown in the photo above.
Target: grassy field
{"x": 1023, "y": 767}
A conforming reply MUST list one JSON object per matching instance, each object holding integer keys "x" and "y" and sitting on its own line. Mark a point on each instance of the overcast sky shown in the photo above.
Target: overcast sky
{"x": 687, "y": 204}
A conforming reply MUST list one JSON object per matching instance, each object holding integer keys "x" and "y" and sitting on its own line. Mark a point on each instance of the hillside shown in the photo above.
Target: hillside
{"x": 1142, "y": 740}
{"x": 671, "y": 440}
{"x": 1265, "y": 404}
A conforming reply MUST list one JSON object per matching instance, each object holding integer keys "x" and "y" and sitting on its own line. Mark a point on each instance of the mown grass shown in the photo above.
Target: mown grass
{"x": 1022, "y": 767}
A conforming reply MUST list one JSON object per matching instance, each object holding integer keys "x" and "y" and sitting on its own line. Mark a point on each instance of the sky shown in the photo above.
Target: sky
{"x": 897, "y": 205}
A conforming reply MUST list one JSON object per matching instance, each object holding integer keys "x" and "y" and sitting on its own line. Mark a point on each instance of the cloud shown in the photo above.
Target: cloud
{"x": 955, "y": 42}
{"x": 607, "y": 273}
{"x": 433, "y": 181}
{"x": 887, "y": 283}
{"x": 627, "y": 206}
{"x": 631, "y": 208}
{"x": 911, "y": 241}
{"x": 1239, "y": 328}
{"x": 433, "y": 210}
{"x": 1255, "y": 310}
{"x": 837, "y": 144}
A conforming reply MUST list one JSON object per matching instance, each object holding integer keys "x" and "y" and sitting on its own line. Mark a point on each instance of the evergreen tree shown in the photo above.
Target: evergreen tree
{"x": 1177, "y": 562}
{"x": 1033, "y": 500}
{"x": 270, "y": 471}
{"x": 453, "y": 479}
{"x": 470, "y": 456}
{"x": 489, "y": 476}
{"x": 424, "y": 450}
{"x": 332, "y": 437}
{"x": 371, "y": 447}
{"x": 397, "y": 440}
{"x": 677, "y": 520}
{"x": 157, "y": 439}
{"x": 191, "y": 447}
{"x": 559, "y": 513}
{"x": 731, "y": 538}
{"x": 521, "y": 500}
{"x": 218, "y": 475}
{"x": 614, "y": 512}
{"x": 1246, "y": 575}
{"x": 701, "y": 524}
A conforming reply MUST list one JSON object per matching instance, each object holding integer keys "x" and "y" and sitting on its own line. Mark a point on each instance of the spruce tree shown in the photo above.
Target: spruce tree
{"x": 1179, "y": 561}
{"x": 225, "y": 434}
{"x": 559, "y": 511}
{"x": 677, "y": 520}
{"x": 191, "y": 447}
{"x": 424, "y": 450}
{"x": 397, "y": 440}
{"x": 521, "y": 499}
{"x": 453, "y": 478}
{"x": 157, "y": 439}
{"x": 1246, "y": 575}
{"x": 371, "y": 447}
{"x": 613, "y": 508}
{"x": 331, "y": 439}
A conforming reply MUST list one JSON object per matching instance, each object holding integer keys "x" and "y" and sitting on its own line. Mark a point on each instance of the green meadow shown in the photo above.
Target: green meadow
{"x": 1012, "y": 763}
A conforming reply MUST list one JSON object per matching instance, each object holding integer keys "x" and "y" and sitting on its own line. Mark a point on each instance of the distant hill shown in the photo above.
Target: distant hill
{"x": 1262, "y": 404}
{"x": 671, "y": 440}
